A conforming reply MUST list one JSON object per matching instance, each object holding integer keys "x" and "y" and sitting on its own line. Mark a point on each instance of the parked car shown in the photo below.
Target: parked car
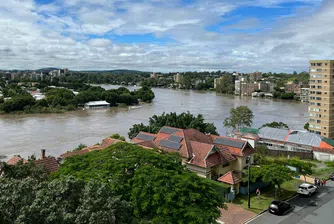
{"x": 307, "y": 189}
{"x": 332, "y": 177}
{"x": 279, "y": 207}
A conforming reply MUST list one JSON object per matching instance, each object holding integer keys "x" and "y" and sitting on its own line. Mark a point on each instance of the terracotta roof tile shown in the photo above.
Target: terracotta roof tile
{"x": 50, "y": 164}
{"x": 200, "y": 152}
{"x": 79, "y": 152}
{"x": 230, "y": 177}
{"x": 222, "y": 156}
{"x": 326, "y": 150}
{"x": 15, "y": 160}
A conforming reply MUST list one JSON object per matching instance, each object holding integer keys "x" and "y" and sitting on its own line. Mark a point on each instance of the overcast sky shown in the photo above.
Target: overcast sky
{"x": 166, "y": 35}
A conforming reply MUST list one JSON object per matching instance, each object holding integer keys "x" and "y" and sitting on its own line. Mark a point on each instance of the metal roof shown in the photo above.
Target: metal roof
{"x": 228, "y": 142}
{"x": 170, "y": 144}
{"x": 273, "y": 133}
{"x": 93, "y": 103}
{"x": 304, "y": 138}
{"x": 168, "y": 130}
{"x": 175, "y": 138}
{"x": 145, "y": 137}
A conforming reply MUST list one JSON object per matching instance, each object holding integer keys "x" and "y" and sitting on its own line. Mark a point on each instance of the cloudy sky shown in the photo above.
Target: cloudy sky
{"x": 166, "y": 35}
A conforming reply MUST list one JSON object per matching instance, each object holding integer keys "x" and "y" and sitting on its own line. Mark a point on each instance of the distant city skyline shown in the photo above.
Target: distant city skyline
{"x": 166, "y": 36}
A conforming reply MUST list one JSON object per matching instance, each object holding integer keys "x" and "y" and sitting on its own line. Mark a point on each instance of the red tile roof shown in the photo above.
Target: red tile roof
{"x": 325, "y": 150}
{"x": 79, "y": 152}
{"x": 195, "y": 147}
{"x": 105, "y": 144}
{"x": 15, "y": 160}
{"x": 50, "y": 164}
{"x": 230, "y": 177}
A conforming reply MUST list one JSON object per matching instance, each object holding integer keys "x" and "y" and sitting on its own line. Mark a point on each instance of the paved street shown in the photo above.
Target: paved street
{"x": 316, "y": 209}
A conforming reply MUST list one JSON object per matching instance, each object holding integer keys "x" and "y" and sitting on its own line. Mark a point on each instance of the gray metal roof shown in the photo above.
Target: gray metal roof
{"x": 228, "y": 142}
{"x": 170, "y": 144}
{"x": 304, "y": 138}
{"x": 175, "y": 138}
{"x": 273, "y": 133}
{"x": 145, "y": 137}
{"x": 94, "y": 103}
{"x": 168, "y": 130}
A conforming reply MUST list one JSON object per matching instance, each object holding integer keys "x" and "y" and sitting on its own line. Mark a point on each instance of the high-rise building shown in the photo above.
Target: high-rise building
{"x": 177, "y": 78}
{"x": 321, "y": 97}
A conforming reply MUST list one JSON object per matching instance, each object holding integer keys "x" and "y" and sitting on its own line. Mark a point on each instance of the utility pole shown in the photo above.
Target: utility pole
{"x": 248, "y": 161}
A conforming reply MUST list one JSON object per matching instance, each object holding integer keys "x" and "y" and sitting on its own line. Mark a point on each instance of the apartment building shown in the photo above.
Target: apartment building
{"x": 321, "y": 97}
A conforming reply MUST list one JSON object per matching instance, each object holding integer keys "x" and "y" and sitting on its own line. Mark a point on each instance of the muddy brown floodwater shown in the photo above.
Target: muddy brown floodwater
{"x": 57, "y": 133}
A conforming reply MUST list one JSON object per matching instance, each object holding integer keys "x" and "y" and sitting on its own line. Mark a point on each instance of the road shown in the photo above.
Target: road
{"x": 316, "y": 209}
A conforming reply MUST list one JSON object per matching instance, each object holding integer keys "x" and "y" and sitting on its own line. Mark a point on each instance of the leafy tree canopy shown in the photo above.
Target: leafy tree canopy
{"x": 239, "y": 117}
{"x": 183, "y": 120}
{"x": 160, "y": 189}
{"x": 275, "y": 124}
{"x": 65, "y": 200}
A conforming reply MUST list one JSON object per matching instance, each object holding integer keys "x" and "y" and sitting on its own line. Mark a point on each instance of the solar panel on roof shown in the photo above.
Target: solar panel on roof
{"x": 145, "y": 137}
{"x": 175, "y": 138}
{"x": 170, "y": 144}
{"x": 168, "y": 130}
{"x": 228, "y": 142}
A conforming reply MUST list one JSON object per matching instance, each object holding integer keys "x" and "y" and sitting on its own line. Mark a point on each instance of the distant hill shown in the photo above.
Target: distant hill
{"x": 116, "y": 71}
{"x": 46, "y": 70}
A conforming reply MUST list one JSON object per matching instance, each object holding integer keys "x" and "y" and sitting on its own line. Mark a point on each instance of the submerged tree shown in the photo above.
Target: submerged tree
{"x": 239, "y": 117}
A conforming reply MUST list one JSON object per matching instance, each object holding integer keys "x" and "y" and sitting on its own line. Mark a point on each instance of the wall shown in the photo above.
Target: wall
{"x": 202, "y": 172}
{"x": 322, "y": 156}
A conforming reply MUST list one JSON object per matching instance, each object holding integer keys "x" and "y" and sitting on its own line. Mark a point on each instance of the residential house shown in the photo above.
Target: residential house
{"x": 50, "y": 163}
{"x": 209, "y": 156}
{"x": 288, "y": 142}
{"x": 105, "y": 144}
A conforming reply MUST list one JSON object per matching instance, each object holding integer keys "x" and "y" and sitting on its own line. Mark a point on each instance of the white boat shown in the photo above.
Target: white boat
{"x": 135, "y": 107}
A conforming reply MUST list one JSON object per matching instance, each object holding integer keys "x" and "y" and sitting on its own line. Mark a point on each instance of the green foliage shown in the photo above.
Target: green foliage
{"x": 226, "y": 84}
{"x": 306, "y": 126}
{"x": 303, "y": 167}
{"x": 330, "y": 164}
{"x": 145, "y": 94}
{"x": 66, "y": 200}
{"x": 276, "y": 124}
{"x": 240, "y": 117}
{"x": 160, "y": 189}
{"x": 18, "y": 103}
{"x": 117, "y": 136}
{"x": 272, "y": 173}
{"x": 23, "y": 170}
{"x": 183, "y": 120}
{"x": 79, "y": 147}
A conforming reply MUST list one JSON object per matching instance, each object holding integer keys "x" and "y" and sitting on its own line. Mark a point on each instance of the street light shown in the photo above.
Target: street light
{"x": 248, "y": 158}
{"x": 248, "y": 162}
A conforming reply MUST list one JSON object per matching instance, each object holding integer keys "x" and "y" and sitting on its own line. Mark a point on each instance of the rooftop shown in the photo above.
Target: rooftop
{"x": 94, "y": 103}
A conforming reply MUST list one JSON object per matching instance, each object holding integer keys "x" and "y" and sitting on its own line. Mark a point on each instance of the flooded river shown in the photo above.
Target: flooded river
{"x": 57, "y": 133}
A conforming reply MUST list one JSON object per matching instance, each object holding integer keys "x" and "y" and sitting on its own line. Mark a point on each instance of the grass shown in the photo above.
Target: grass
{"x": 323, "y": 173}
{"x": 288, "y": 189}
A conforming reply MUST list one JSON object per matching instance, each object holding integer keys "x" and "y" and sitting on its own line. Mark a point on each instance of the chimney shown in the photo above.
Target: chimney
{"x": 43, "y": 154}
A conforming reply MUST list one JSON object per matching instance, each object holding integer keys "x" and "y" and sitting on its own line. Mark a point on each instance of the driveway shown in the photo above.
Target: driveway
{"x": 235, "y": 214}
{"x": 307, "y": 210}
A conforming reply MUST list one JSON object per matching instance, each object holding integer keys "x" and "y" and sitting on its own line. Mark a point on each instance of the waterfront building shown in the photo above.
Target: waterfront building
{"x": 97, "y": 105}
{"x": 321, "y": 99}
{"x": 304, "y": 94}
{"x": 154, "y": 76}
{"x": 286, "y": 142}
{"x": 177, "y": 78}
{"x": 255, "y": 76}
{"x": 209, "y": 156}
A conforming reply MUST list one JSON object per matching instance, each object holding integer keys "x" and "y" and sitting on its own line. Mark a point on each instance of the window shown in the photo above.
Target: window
{"x": 324, "y": 134}
{"x": 225, "y": 165}
{"x": 325, "y": 63}
{"x": 325, "y": 81}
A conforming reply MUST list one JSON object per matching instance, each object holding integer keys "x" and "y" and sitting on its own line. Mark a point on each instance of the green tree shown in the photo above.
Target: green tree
{"x": 183, "y": 120}
{"x": 117, "y": 136}
{"x": 23, "y": 170}
{"x": 275, "y": 124}
{"x": 79, "y": 147}
{"x": 66, "y": 200}
{"x": 304, "y": 168}
{"x": 306, "y": 126}
{"x": 239, "y": 117}
{"x": 274, "y": 174}
{"x": 226, "y": 84}
{"x": 160, "y": 189}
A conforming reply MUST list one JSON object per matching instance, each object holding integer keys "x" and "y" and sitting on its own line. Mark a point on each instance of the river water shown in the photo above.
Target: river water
{"x": 58, "y": 133}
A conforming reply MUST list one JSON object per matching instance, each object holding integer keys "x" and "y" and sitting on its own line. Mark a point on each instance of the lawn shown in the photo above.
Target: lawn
{"x": 288, "y": 189}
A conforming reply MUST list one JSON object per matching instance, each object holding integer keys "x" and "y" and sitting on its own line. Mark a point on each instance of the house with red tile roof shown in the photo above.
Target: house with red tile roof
{"x": 50, "y": 164}
{"x": 105, "y": 144}
{"x": 209, "y": 156}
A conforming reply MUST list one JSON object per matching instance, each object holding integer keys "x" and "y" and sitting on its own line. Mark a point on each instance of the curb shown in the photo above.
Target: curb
{"x": 261, "y": 213}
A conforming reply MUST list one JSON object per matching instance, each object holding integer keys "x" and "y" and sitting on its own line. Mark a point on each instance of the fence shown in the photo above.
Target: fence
{"x": 301, "y": 155}
{"x": 253, "y": 187}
